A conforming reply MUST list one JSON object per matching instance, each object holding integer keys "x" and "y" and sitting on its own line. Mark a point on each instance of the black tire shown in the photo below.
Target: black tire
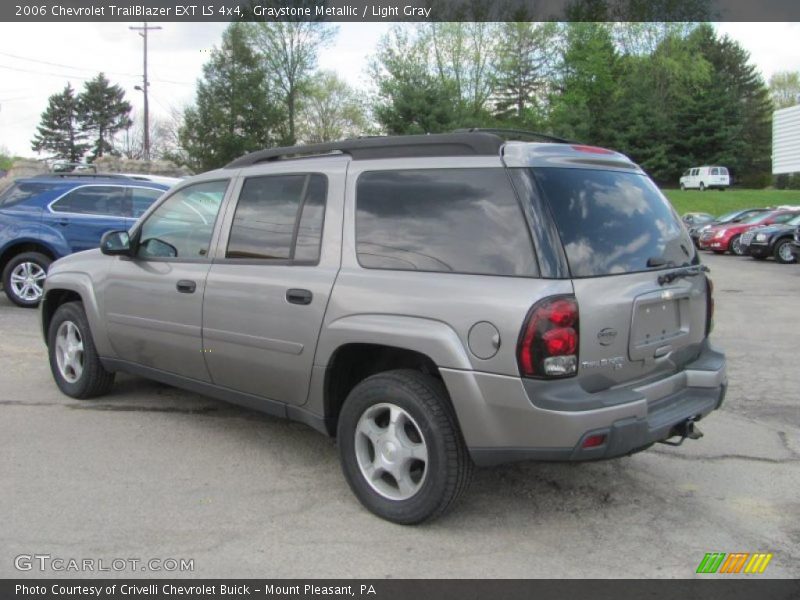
{"x": 702, "y": 187}
{"x": 94, "y": 380}
{"x": 683, "y": 188}
{"x": 776, "y": 252}
{"x": 734, "y": 244}
{"x": 448, "y": 469}
{"x": 37, "y": 258}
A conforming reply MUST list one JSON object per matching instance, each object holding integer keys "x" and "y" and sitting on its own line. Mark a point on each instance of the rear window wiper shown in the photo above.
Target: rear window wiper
{"x": 692, "y": 271}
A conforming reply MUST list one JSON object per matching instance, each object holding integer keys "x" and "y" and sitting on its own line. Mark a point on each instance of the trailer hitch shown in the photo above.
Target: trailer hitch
{"x": 684, "y": 429}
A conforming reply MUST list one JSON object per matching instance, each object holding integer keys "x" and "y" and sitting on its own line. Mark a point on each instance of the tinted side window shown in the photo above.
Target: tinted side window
{"x": 103, "y": 200}
{"x": 142, "y": 198}
{"x": 784, "y": 217}
{"x": 21, "y": 191}
{"x": 448, "y": 220}
{"x": 715, "y": 171}
{"x": 181, "y": 227}
{"x": 613, "y": 222}
{"x": 279, "y": 217}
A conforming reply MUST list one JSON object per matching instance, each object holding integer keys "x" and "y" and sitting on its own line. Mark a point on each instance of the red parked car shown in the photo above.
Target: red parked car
{"x": 727, "y": 237}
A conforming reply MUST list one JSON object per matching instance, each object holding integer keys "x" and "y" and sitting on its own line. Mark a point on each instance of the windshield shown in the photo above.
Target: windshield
{"x": 613, "y": 222}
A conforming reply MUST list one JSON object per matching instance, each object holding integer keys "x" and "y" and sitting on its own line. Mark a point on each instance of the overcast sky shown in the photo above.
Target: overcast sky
{"x": 38, "y": 59}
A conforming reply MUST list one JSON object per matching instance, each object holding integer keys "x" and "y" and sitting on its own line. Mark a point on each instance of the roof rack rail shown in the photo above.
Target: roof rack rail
{"x": 365, "y": 148}
{"x": 516, "y": 132}
{"x": 81, "y": 175}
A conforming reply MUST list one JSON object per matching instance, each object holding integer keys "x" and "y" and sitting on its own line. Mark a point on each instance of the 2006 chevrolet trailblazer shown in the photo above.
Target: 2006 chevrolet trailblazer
{"x": 433, "y": 301}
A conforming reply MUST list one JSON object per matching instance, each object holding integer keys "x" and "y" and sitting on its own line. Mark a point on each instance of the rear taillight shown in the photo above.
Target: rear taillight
{"x": 709, "y": 305}
{"x": 548, "y": 342}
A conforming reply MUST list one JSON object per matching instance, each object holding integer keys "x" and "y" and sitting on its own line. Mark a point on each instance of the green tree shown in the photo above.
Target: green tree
{"x": 744, "y": 108}
{"x": 784, "y": 87}
{"x": 409, "y": 97}
{"x": 331, "y": 110}
{"x": 462, "y": 57}
{"x": 103, "y": 111}
{"x": 235, "y": 110}
{"x": 585, "y": 99}
{"x": 59, "y": 131}
{"x": 524, "y": 70}
{"x": 288, "y": 51}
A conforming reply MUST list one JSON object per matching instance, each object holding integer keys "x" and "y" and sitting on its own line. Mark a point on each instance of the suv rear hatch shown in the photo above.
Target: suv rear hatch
{"x": 641, "y": 294}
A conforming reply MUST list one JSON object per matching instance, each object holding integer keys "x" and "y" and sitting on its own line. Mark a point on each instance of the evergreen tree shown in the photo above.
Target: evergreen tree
{"x": 103, "y": 112}
{"x": 58, "y": 131}
{"x": 235, "y": 111}
{"x": 585, "y": 102}
{"x": 524, "y": 71}
{"x": 740, "y": 106}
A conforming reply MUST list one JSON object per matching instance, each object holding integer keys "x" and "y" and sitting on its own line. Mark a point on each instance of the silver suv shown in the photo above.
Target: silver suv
{"x": 434, "y": 302}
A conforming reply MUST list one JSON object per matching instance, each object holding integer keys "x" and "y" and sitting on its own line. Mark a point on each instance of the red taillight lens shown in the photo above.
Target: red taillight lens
{"x": 709, "y": 305}
{"x": 548, "y": 343}
{"x": 561, "y": 341}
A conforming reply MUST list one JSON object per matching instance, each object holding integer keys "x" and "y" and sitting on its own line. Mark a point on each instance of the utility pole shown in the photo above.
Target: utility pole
{"x": 143, "y": 32}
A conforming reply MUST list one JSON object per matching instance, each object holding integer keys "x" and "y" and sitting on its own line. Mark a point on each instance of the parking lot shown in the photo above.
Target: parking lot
{"x": 154, "y": 472}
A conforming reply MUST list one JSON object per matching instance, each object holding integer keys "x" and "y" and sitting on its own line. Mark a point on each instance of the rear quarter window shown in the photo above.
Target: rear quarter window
{"x": 613, "y": 222}
{"x": 442, "y": 220}
{"x": 21, "y": 191}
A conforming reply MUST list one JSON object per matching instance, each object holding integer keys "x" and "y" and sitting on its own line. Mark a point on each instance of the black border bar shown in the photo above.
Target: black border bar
{"x": 397, "y": 10}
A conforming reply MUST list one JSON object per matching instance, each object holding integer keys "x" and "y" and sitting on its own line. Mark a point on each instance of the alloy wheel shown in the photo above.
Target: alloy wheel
{"x": 27, "y": 281}
{"x": 391, "y": 451}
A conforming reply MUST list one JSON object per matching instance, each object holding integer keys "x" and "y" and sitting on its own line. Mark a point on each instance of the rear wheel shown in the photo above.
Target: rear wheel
{"x": 783, "y": 252}
{"x": 23, "y": 278}
{"x": 400, "y": 447}
{"x": 736, "y": 246}
{"x": 74, "y": 363}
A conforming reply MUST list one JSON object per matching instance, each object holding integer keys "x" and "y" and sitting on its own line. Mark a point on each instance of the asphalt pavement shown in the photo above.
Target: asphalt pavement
{"x": 154, "y": 473}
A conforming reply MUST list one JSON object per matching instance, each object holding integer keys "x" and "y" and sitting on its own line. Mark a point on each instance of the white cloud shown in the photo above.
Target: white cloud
{"x": 78, "y": 51}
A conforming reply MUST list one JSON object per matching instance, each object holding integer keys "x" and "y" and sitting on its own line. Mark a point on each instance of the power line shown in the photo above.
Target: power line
{"x": 74, "y": 68}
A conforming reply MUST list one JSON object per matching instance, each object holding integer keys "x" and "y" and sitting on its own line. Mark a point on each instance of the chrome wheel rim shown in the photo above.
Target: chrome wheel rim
{"x": 736, "y": 246}
{"x": 69, "y": 351}
{"x": 391, "y": 451}
{"x": 785, "y": 252}
{"x": 27, "y": 281}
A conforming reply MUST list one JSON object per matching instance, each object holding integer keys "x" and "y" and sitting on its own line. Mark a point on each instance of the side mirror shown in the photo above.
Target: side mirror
{"x": 115, "y": 243}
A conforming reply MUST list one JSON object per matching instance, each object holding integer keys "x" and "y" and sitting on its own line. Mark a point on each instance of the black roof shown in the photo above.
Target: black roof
{"x": 475, "y": 143}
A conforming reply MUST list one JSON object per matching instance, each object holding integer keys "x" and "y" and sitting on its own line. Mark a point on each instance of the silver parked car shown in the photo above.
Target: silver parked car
{"x": 434, "y": 302}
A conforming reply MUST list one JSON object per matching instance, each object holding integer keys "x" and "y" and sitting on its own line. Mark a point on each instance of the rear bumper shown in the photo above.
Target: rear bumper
{"x": 501, "y": 423}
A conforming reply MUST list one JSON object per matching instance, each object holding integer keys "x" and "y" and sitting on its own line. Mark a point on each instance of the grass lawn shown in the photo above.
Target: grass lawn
{"x": 717, "y": 203}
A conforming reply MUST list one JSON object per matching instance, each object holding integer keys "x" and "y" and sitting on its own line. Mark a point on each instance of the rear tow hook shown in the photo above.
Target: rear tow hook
{"x": 685, "y": 429}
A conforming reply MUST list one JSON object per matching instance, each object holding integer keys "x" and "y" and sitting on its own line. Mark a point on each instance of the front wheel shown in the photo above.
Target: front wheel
{"x": 783, "y": 252}
{"x": 736, "y": 246}
{"x": 702, "y": 187}
{"x": 74, "y": 363}
{"x": 683, "y": 188}
{"x": 23, "y": 278}
{"x": 400, "y": 447}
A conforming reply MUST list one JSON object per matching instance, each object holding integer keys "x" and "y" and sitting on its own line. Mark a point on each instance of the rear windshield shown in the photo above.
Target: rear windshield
{"x": 22, "y": 190}
{"x": 612, "y": 222}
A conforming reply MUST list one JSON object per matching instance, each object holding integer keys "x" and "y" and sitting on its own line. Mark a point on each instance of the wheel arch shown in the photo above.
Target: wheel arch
{"x": 62, "y": 287}
{"x": 25, "y": 245}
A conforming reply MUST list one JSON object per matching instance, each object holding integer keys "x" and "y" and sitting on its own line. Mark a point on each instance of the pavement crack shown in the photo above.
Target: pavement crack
{"x": 721, "y": 457}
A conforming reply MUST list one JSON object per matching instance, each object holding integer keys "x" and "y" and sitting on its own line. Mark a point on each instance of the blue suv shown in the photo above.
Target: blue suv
{"x": 49, "y": 216}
